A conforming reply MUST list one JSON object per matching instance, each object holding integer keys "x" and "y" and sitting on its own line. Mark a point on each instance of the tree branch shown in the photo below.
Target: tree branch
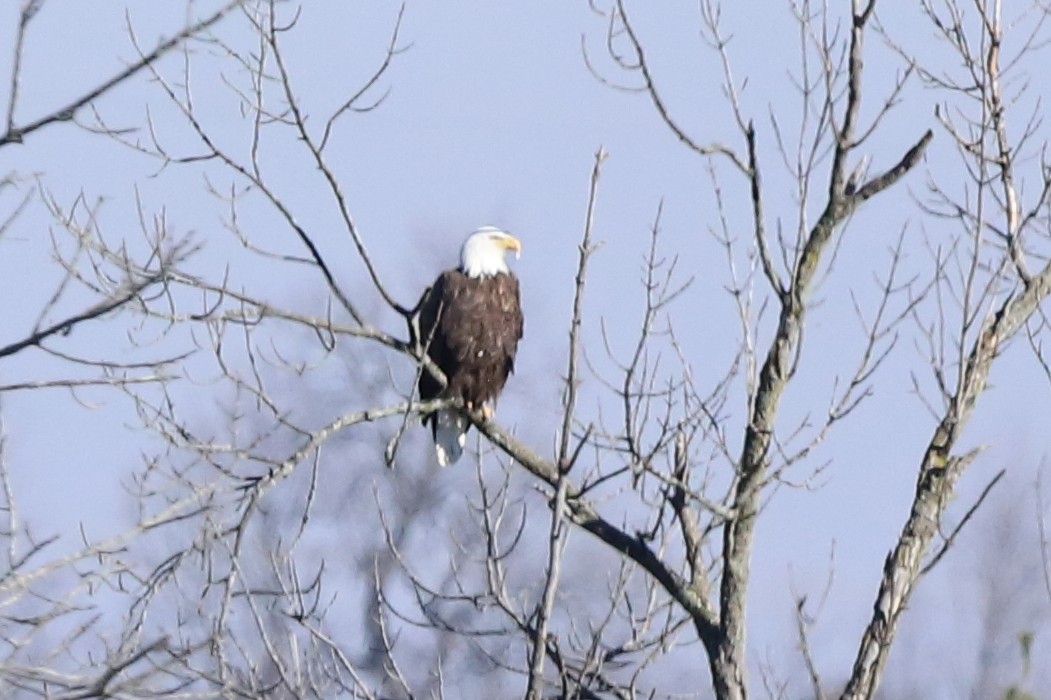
{"x": 17, "y": 134}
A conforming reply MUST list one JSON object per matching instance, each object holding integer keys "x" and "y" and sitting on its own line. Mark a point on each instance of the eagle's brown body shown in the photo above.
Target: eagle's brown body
{"x": 470, "y": 327}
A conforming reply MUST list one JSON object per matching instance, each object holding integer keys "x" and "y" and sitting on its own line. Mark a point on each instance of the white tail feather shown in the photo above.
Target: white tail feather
{"x": 450, "y": 436}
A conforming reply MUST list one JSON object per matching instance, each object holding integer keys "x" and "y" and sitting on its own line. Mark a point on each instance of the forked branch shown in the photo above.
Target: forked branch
{"x": 17, "y": 133}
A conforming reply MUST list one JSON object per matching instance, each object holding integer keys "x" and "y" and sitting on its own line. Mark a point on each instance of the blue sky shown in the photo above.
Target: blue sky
{"x": 493, "y": 118}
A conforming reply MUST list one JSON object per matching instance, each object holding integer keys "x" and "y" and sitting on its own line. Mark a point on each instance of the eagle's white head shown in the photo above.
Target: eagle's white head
{"x": 482, "y": 254}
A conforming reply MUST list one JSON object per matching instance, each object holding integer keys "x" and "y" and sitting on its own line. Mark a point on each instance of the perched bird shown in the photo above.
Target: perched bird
{"x": 469, "y": 323}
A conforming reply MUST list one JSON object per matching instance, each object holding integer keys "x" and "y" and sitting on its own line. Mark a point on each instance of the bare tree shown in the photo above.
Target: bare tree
{"x": 271, "y": 419}
{"x": 56, "y": 590}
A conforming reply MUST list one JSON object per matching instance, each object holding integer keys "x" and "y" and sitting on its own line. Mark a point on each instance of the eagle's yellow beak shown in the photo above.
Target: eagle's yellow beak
{"x": 509, "y": 242}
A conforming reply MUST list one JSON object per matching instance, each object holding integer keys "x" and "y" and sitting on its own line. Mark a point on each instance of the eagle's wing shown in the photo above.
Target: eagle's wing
{"x": 424, "y": 333}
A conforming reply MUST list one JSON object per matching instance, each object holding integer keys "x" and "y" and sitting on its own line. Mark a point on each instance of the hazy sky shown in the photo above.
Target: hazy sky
{"x": 493, "y": 118}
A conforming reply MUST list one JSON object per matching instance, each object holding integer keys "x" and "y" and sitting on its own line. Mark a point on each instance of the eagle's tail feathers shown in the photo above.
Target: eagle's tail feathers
{"x": 450, "y": 436}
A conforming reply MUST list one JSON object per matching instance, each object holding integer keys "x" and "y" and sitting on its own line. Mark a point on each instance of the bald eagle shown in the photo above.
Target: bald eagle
{"x": 469, "y": 322}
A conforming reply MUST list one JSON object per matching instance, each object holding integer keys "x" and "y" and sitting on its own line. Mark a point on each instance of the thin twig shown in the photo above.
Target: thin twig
{"x": 17, "y": 134}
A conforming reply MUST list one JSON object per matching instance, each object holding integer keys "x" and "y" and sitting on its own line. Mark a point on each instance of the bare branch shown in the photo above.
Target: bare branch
{"x": 17, "y": 134}
{"x": 586, "y": 248}
{"x": 93, "y": 312}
